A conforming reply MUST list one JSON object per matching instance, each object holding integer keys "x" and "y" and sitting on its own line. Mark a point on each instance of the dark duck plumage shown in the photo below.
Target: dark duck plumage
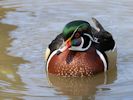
{"x": 105, "y": 39}
{"x": 80, "y": 50}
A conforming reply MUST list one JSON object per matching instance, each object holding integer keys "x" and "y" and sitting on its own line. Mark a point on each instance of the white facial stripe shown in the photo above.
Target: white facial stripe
{"x": 103, "y": 59}
{"x": 75, "y": 31}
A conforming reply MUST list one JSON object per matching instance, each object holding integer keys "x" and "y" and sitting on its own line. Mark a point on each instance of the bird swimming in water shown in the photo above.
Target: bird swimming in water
{"x": 81, "y": 50}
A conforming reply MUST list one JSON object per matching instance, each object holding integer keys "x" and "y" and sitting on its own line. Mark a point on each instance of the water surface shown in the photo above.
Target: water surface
{"x": 27, "y": 27}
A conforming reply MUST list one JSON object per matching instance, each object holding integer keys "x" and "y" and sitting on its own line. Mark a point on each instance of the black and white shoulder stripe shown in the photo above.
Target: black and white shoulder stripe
{"x": 104, "y": 59}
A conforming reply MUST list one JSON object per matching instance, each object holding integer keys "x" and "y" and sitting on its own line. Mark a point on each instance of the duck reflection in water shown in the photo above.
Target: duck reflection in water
{"x": 82, "y": 88}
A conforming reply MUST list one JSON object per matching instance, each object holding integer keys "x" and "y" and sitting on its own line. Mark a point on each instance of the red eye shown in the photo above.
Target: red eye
{"x": 77, "y": 35}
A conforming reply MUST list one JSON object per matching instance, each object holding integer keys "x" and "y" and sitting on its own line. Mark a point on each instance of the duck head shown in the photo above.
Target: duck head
{"x": 77, "y": 36}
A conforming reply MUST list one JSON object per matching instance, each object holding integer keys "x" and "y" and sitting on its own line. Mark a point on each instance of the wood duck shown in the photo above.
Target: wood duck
{"x": 80, "y": 50}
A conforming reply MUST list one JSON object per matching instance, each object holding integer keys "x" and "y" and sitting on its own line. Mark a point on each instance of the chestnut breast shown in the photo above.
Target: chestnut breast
{"x": 74, "y": 63}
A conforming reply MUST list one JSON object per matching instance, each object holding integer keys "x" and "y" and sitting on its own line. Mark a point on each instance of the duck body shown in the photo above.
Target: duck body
{"x": 84, "y": 56}
{"x": 71, "y": 63}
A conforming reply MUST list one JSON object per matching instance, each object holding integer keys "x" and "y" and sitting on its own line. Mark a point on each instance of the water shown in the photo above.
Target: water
{"x": 27, "y": 27}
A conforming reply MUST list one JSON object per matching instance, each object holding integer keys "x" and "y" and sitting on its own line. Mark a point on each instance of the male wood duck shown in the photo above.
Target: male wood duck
{"x": 80, "y": 50}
